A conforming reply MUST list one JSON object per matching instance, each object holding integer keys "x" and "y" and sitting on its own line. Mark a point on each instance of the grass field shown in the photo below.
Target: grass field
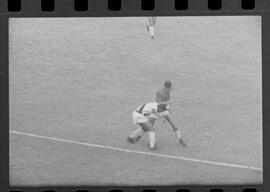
{"x": 74, "y": 83}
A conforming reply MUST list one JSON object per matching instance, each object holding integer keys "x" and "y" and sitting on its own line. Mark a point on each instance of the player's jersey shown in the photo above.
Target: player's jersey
{"x": 162, "y": 96}
{"x": 147, "y": 109}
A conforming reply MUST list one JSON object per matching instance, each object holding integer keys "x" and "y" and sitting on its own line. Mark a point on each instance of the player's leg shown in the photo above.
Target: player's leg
{"x": 149, "y": 125}
{"x": 179, "y": 136}
{"x": 175, "y": 129}
{"x": 138, "y": 119}
{"x": 137, "y": 134}
{"x": 140, "y": 133}
{"x": 145, "y": 127}
{"x": 150, "y": 26}
{"x": 147, "y": 24}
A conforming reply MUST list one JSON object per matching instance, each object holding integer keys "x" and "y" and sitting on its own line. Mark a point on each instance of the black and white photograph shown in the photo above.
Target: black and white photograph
{"x": 135, "y": 101}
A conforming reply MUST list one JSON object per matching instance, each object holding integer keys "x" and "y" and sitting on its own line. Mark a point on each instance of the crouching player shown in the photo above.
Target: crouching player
{"x": 145, "y": 116}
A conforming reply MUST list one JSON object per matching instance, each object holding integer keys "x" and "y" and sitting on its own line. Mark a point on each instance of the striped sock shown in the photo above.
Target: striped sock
{"x": 137, "y": 133}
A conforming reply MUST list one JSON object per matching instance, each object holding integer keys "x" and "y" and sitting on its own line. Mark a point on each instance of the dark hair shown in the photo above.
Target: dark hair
{"x": 168, "y": 84}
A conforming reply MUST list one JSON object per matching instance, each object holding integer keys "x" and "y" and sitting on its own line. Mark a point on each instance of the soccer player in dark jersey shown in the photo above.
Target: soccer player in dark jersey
{"x": 163, "y": 95}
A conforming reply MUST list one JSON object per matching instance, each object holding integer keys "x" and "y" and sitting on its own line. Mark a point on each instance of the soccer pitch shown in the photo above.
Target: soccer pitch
{"x": 74, "y": 83}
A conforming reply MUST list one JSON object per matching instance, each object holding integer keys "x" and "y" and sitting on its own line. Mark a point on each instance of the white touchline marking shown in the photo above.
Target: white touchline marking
{"x": 138, "y": 152}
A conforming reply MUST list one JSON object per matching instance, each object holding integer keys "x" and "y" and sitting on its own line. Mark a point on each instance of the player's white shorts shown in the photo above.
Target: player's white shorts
{"x": 138, "y": 118}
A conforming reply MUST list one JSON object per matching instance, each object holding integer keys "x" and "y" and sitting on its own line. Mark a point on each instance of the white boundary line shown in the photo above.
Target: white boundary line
{"x": 138, "y": 152}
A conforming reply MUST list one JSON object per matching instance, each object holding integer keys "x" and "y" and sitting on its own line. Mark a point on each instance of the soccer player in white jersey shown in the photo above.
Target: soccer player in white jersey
{"x": 151, "y": 21}
{"x": 145, "y": 116}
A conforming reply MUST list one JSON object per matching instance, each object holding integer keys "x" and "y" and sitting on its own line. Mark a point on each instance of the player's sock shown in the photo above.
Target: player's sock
{"x": 151, "y": 30}
{"x": 180, "y": 139}
{"x": 152, "y": 139}
{"x": 139, "y": 136}
{"x": 137, "y": 133}
{"x": 178, "y": 134}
